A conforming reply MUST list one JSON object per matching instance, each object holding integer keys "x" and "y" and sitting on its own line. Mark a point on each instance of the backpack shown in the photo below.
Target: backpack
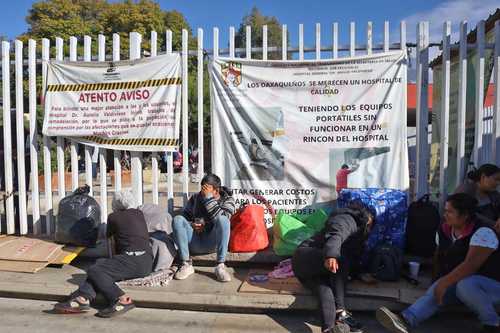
{"x": 386, "y": 262}
{"x": 423, "y": 223}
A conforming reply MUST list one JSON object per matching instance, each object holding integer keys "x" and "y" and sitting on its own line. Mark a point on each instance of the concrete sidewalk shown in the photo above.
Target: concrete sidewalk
{"x": 202, "y": 292}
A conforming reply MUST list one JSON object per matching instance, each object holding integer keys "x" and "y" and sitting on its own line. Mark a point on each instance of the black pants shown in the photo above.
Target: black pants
{"x": 102, "y": 276}
{"x": 308, "y": 267}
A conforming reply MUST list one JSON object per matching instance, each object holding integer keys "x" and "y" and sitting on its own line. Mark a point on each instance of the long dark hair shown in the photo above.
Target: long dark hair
{"x": 485, "y": 169}
{"x": 363, "y": 215}
{"x": 463, "y": 203}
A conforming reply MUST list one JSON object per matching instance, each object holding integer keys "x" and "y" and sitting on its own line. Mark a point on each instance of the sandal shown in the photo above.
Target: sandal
{"x": 115, "y": 310}
{"x": 71, "y": 306}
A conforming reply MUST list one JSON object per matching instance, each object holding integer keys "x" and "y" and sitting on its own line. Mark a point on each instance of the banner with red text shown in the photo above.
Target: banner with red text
{"x": 298, "y": 132}
{"x": 126, "y": 105}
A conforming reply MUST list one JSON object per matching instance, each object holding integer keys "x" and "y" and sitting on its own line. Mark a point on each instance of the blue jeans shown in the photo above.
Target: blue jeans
{"x": 426, "y": 306}
{"x": 480, "y": 294}
{"x": 204, "y": 242}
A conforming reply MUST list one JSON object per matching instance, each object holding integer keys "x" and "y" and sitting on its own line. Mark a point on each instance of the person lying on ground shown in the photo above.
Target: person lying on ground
{"x": 204, "y": 227}
{"x": 324, "y": 262}
{"x": 482, "y": 184}
{"x": 469, "y": 262}
{"x": 127, "y": 228}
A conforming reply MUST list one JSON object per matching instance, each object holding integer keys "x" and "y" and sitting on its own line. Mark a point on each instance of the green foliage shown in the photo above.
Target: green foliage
{"x": 256, "y": 20}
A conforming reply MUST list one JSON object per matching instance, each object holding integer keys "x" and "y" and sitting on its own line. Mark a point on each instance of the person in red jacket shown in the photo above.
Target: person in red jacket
{"x": 342, "y": 175}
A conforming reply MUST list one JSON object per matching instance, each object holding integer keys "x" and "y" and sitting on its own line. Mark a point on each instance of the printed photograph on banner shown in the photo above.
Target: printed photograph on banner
{"x": 350, "y": 168}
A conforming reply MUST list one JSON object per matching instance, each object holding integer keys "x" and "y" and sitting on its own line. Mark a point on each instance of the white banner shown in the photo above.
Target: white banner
{"x": 297, "y": 132}
{"x": 126, "y": 105}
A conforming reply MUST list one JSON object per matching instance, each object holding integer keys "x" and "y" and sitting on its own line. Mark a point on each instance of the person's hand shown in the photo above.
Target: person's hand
{"x": 198, "y": 227}
{"x": 332, "y": 265}
{"x": 497, "y": 226}
{"x": 207, "y": 191}
{"x": 440, "y": 290}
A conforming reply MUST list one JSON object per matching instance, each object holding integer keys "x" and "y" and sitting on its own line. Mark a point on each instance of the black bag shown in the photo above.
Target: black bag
{"x": 386, "y": 262}
{"x": 78, "y": 219}
{"x": 423, "y": 223}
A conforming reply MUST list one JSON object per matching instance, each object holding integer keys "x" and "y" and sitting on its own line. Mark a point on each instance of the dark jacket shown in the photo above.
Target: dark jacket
{"x": 211, "y": 208}
{"x": 451, "y": 254}
{"x": 344, "y": 236}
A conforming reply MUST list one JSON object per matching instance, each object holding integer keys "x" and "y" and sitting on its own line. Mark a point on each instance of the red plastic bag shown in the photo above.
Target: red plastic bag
{"x": 248, "y": 230}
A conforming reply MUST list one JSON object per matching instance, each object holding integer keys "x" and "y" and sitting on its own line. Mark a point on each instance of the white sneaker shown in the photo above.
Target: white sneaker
{"x": 185, "y": 271}
{"x": 221, "y": 273}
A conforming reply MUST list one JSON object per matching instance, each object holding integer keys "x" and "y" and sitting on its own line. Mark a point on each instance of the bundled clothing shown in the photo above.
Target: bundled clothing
{"x": 343, "y": 238}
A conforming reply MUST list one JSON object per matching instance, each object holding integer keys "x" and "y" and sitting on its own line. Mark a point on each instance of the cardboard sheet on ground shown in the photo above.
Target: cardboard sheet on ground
{"x": 400, "y": 290}
{"x": 30, "y": 255}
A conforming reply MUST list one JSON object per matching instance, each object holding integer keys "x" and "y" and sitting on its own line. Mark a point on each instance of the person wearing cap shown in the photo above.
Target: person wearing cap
{"x": 204, "y": 227}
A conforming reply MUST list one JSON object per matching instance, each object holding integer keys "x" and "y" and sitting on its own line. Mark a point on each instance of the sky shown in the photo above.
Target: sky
{"x": 207, "y": 14}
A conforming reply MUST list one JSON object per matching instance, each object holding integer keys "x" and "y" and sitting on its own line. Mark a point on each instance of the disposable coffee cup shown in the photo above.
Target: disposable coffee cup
{"x": 414, "y": 269}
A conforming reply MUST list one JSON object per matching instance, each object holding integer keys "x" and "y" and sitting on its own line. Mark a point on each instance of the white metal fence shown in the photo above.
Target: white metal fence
{"x": 42, "y": 200}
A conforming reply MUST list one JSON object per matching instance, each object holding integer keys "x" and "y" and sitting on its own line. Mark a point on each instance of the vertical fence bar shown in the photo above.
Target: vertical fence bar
{"x": 335, "y": 41}
{"x": 231, "y": 42}
{"x": 185, "y": 137}
{"x": 136, "y": 157}
{"x": 170, "y": 163}
{"x": 386, "y": 36}
{"x": 445, "y": 115}
{"x": 35, "y": 195}
{"x": 248, "y": 42}
{"x": 301, "y": 41}
{"x": 462, "y": 105}
{"x": 47, "y": 168}
{"x": 496, "y": 79}
{"x": 215, "y": 56}
{"x": 369, "y": 36}
{"x": 87, "y": 56}
{"x": 154, "y": 156}
{"x": 284, "y": 41}
{"x": 73, "y": 145}
{"x": 21, "y": 172}
{"x": 116, "y": 153}
{"x": 101, "y": 56}
{"x": 7, "y": 143}
{"x": 352, "y": 47}
{"x": 422, "y": 111}
{"x": 318, "y": 41}
{"x": 264, "y": 42}
{"x": 201, "y": 138}
{"x": 478, "y": 133}
{"x": 61, "y": 184}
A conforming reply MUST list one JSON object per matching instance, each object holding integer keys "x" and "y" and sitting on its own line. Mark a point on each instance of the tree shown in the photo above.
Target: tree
{"x": 256, "y": 20}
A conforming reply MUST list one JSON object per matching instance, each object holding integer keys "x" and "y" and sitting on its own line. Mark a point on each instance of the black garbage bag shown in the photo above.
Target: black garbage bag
{"x": 78, "y": 219}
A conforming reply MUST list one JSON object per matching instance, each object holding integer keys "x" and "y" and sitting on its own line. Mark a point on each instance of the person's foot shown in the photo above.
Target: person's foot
{"x": 490, "y": 329}
{"x": 339, "y": 328}
{"x": 345, "y": 317}
{"x": 115, "y": 310}
{"x": 74, "y": 305}
{"x": 221, "y": 273}
{"x": 391, "y": 321}
{"x": 184, "y": 271}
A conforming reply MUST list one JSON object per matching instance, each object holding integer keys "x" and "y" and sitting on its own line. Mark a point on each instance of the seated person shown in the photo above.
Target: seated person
{"x": 482, "y": 184}
{"x": 323, "y": 263}
{"x": 204, "y": 226}
{"x": 133, "y": 259}
{"x": 469, "y": 262}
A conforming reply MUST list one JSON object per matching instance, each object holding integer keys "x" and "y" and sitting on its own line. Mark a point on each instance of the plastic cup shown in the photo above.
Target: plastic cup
{"x": 414, "y": 269}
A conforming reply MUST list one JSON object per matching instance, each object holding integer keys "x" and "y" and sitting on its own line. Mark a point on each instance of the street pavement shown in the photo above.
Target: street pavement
{"x": 23, "y": 316}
